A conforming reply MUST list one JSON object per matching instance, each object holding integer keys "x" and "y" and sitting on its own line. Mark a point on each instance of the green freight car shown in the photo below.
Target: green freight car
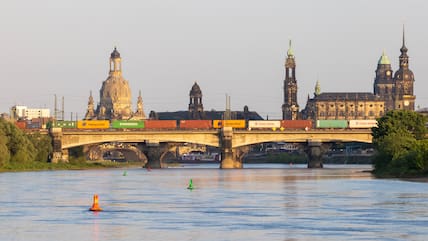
{"x": 127, "y": 124}
{"x": 339, "y": 124}
{"x": 61, "y": 124}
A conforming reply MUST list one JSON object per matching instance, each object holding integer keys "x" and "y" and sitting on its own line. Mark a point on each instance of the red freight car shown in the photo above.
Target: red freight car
{"x": 21, "y": 124}
{"x": 196, "y": 124}
{"x": 296, "y": 124}
{"x": 160, "y": 124}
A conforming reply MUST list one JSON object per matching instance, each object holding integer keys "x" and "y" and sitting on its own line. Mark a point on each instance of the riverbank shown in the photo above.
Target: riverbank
{"x": 47, "y": 166}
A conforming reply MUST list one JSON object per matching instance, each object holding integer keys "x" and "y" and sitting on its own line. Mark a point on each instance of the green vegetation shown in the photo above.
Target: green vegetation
{"x": 20, "y": 151}
{"x": 402, "y": 150}
{"x": 18, "y": 148}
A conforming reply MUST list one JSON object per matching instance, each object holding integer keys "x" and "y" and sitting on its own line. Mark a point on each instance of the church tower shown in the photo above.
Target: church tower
{"x": 290, "y": 108}
{"x": 90, "y": 112}
{"x": 139, "y": 114}
{"x": 384, "y": 83}
{"x": 404, "y": 79}
{"x": 196, "y": 109}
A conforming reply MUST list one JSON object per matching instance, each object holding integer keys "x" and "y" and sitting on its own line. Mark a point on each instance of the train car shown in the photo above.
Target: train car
{"x": 160, "y": 124}
{"x": 362, "y": 124}
{"x": 340, "y": 124}
{"x": 264, "y": 124}
{"x": 296, "y": 124}
{"x": 93, "y": 124}
{"x": 237, "y": 124}
{"x": 21, "y": 124}
{"x": 195, "y": 124}
{"x": 34, "y": 125}
{"x": 127, "y": 124}
{"x": 62, "y": 124}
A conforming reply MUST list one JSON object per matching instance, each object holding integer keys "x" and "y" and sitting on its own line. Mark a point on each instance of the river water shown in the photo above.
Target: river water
{"x": 259, "y": 202}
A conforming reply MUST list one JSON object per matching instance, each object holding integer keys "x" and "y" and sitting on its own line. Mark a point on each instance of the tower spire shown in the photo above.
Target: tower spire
{"x": 290, "y": 51}
{"x": 404, "y": 48}
{"x": 317, "y": 88}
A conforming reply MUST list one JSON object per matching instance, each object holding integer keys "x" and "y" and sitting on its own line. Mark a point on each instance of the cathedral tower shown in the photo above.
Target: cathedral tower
{"x": 404, "y": 79}
{"x": 384, "y": 84}
{"x": 196, "y": 109}
{"x": 290, "y": 108}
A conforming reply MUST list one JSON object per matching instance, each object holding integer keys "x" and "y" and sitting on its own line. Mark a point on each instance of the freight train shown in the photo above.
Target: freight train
{"x": 207, "y": 124}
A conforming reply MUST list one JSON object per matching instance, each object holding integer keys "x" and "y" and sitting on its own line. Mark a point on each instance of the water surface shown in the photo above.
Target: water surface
{"x": 259, "y": 202}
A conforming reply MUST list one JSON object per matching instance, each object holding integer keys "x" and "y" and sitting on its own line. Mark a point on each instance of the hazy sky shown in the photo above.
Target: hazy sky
{"x": 234, "y": 47}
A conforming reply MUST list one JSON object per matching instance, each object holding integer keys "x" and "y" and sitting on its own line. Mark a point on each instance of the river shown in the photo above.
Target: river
{"x": 260, "y": 202}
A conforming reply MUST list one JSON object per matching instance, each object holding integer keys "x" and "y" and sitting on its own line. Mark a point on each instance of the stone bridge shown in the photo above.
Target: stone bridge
{"x": 233, "y": 143}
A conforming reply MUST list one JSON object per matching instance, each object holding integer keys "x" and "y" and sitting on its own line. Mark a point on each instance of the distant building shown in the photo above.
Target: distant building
{"x": 391, "y": 92}
{"x": 343, "y": 106}
{"x": 196, "y": 111}
{"x": 397, "y": 91}
{"x": 115, "y": 96}
{"x": 20, "y": 112}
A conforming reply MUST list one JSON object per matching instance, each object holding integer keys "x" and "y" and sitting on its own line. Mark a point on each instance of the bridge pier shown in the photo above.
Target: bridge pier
{"x": 58, "y": 154}
{"x": 228, "y": 154}
{"x": 154, "y": 153}
{"x": 315, "y": 151}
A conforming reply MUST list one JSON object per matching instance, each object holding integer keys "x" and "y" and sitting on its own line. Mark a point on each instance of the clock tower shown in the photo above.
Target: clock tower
{"x": 384, "y": 83}
{"x": 290, "y": 108}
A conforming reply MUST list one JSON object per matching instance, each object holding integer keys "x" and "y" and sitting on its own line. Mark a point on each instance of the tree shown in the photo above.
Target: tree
{"x": 400, "y": 142}
{"x": 20, "y": 147}
{"x": 43, "y": 146}
{"x": 4, "y": 151}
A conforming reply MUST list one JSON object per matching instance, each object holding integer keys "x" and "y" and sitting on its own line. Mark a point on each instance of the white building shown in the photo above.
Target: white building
{"x": 23, "y": 112}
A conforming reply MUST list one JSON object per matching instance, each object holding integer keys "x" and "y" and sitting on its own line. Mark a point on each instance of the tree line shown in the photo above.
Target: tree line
{"x": 18, "y": 148}
{"x": 401, "y": 145}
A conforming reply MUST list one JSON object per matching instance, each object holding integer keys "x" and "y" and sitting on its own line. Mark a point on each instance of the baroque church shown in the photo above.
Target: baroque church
{"x": 391, "y": 92}
{"x": 115, "y": 96}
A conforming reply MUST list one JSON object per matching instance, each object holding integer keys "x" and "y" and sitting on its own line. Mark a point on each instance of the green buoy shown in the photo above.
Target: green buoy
{"x": 190, "y": 187}
{"x": 125, "y": 173}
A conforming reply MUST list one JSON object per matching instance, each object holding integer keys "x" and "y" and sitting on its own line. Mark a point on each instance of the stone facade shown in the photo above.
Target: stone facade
{"x": 115, "y": 96}
{"x": 344, "y": 106}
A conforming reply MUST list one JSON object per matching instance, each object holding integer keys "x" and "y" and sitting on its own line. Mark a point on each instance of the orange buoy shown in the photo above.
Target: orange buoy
{"x": 95, "y": 207}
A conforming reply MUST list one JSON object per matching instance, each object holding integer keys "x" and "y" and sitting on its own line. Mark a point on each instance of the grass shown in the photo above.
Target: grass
{"x": 72, "y": 165}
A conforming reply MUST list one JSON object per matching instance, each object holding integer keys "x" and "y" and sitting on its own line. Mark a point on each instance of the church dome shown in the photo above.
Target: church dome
{"x": 115, "y": 93}
{"x": 115, "y": 97}
{"x": 196, "y": 90}
{"x": 115, "y": 54}
{"x": 384, "y": 59}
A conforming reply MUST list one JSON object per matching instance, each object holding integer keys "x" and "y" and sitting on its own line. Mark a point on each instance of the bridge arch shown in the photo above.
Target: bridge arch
{"x": 245, "y": 138}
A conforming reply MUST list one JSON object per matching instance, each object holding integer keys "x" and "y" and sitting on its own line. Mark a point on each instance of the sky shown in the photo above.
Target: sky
{"x": 229, "y": 47}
